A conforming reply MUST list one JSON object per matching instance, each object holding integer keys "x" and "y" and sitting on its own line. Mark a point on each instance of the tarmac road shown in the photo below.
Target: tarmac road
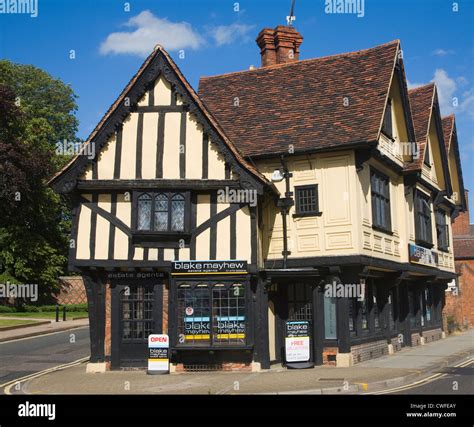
{"x": 26, "y": 356}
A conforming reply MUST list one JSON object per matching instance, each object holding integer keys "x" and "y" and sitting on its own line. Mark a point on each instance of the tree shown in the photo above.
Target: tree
{"x": 36, "y": 112}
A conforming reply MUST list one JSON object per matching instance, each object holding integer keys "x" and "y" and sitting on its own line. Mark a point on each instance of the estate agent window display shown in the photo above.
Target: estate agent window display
{"x": 211, "y": 314}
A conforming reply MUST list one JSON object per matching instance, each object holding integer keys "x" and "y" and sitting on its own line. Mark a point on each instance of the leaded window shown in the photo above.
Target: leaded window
{"x": 161, "y": 212}
{"x": 423, "y": 219}
{"x": 380, "y": 190}
{"x": 144, "y": 212}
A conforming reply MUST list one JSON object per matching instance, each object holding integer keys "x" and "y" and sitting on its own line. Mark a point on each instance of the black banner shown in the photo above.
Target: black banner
{"x": 209, "y": 267}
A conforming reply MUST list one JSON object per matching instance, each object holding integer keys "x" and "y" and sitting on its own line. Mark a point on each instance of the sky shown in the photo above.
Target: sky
{"x": 96, "y": 46}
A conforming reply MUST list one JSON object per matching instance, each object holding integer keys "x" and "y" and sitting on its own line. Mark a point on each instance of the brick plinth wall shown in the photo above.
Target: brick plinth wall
{"x": 370, "y": 350}
{"x": 228, "y": 367}
{"x": 396, "y": 344}
{"x": 432, "y": 335}
{"x": 415, "y": 339}
{"x": 329, "y": 356}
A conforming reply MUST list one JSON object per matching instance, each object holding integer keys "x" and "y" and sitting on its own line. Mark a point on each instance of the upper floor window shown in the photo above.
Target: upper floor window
{"x": 387, "y": 126}
{"x": 423, "y": 231}
{"x": 380, "y": 189}
{"x": 442, "y": 230}
{"x": 306, "y": 200}
{"x": 161, "y": 212}
{"x": 427, "y": 160}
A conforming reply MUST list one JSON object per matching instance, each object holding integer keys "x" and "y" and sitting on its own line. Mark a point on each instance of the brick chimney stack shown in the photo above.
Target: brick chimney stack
{"x": 280, "y": 45}
{"x": 461, "y": 225}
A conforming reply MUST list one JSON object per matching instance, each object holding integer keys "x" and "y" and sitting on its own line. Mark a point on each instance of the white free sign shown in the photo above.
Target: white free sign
{"x": 297, "y": 349}
{"x": 158, "y": 347}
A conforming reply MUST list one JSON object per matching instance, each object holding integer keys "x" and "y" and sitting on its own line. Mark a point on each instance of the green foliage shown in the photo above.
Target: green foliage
{"x": 28, "y": 308}
{"x": 48, "y": 104}
{"x": 6, "y": 309}
{"x": 36, "y": 112}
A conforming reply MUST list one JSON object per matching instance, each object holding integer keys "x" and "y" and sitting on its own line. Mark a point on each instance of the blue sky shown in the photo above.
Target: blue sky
{"x": 110, "y": 41}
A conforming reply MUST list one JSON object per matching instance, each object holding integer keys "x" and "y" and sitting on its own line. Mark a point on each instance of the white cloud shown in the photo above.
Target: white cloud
{"x": 446, "y": 89}
{"x": 147, "y": 30}
{"x": 411, "y": 85}
{"x": 227, "y": 34}
{"x": 442, "y": 52}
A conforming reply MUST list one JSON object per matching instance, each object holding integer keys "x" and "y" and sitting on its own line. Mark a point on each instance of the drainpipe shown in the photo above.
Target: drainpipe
{"x": 285, "y": 203}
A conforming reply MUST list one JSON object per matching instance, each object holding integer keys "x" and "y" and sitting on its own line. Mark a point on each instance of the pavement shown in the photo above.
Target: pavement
{"x": 387, "y": 372}
{"x": 44, "y": 328}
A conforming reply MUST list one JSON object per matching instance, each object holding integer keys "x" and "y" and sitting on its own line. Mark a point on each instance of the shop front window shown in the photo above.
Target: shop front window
{"x": 211, "y": 314}
{"x": 330, "y": 319}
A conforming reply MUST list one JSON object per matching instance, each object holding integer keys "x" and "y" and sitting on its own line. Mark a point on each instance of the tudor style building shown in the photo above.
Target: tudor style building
{"x": 341, "y": 175}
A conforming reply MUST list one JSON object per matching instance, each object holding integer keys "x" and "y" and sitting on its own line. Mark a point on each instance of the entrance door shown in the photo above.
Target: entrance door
{"x": 138, "y": 313}
{"x": 299, "y": 297}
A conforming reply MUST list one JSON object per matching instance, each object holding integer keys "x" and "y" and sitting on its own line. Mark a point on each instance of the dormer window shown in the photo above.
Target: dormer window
{"x": 427, "y": 160}
{"x": 387, "y": 126}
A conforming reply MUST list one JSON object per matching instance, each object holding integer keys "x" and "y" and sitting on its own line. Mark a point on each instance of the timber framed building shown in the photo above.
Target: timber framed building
{"x": 220, "y": 216}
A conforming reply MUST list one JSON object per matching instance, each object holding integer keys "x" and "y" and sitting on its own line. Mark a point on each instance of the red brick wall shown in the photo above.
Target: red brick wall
{"x": 461, "y": 306}
{"x": 72, "y": 291}
{"x": 461, "y": 223}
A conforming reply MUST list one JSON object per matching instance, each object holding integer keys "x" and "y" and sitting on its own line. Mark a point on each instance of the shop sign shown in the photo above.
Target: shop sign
{"x": 423, "y": 256}
{"x": 135, "y": 275}
{"x": 180, "y": 268}
{"x": 158, "y": 354}
{"x": 297, "y": 341}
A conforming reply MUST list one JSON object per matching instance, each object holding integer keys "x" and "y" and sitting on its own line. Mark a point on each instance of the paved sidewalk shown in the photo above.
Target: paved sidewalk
{"x": 32, "y": 331}
{"x": 388, "y": 371}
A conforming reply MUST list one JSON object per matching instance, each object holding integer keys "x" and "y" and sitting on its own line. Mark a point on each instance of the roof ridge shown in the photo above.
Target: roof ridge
{"x": 294, "y": 63}
{"x": 424, "y": 87}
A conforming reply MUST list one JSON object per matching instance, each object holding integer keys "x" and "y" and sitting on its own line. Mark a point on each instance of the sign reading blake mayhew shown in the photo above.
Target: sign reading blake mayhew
{"x": 158, "y": 354}
{"x": 209, "y": 267}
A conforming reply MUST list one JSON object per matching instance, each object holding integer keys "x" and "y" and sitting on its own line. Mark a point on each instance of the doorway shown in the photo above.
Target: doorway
{"x": 137, "y": 312}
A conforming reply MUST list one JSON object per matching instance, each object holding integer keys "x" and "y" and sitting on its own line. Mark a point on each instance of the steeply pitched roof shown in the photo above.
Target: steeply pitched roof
{"x": 310, "y": 104}
{"x": 145, "y": 73}
{"x": 421, "y": 103}
{"x": 448, "y": 128}
{"x": 451, "y": 143}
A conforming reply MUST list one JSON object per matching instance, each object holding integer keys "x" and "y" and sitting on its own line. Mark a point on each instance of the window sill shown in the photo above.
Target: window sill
{"x": 306, "y": 214}
{"x": 424, "y": 244}
{"x": 382, "y": 230}
{"x": 212, "y": 347}
{"x": 170, "y": 238}
{"x": 445, "y": 250}
{"x": 391, "y": 138}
